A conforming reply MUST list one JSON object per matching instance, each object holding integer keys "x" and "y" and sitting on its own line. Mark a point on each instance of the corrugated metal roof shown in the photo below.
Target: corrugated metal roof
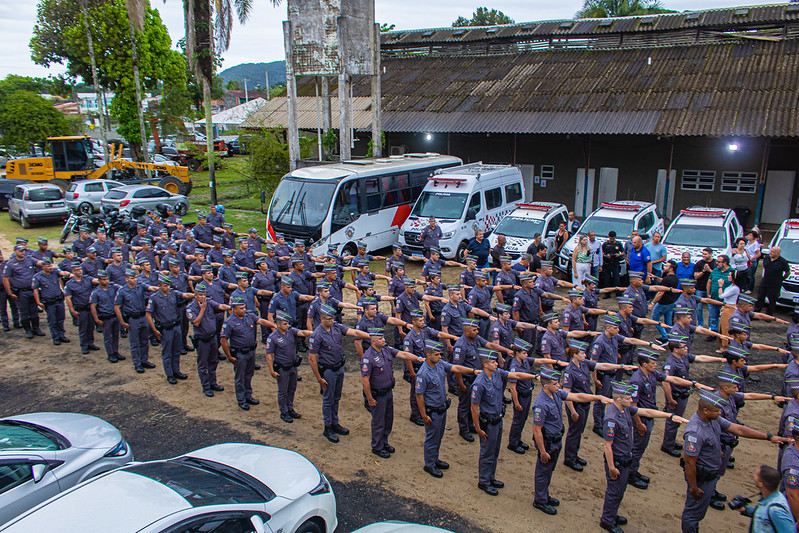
{"x": 238, "y": 114}
{"x": 275, "y": 113}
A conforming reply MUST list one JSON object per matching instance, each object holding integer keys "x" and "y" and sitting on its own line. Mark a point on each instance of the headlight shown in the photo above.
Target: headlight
{"x": 119, "y": 450}
{"x": 448, "y": 235}
{"x": 322, "y": 488}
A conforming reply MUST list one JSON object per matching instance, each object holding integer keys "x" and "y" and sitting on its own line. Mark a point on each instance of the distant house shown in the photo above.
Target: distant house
{"x": 233, "y": 117}
{"x": 235, "y": 97}
{"x": 68, "y": 108}
{"x": 88, "y": 101}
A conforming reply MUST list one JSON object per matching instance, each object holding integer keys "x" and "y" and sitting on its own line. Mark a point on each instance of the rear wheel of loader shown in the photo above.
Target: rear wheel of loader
{"x": 62, "y": 184}
{"x": 172, "y": 184}
{"x": 189, "y": 186}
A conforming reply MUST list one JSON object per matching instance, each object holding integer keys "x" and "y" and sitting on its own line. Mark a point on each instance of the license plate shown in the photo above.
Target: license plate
{"x": 796, "y": 299}
{"x": 54, "y": 204}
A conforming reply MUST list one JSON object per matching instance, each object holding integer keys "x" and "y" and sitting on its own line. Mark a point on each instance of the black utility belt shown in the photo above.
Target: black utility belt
{"x": 703, "y": 475}
{"x": 552, "y": 437}
{"x": 490, "y": 420}
{"x": 53, "y": 301}
{"x": 377, "y": 393}
{"x": 204, "y": 338}
{"x": 441, "y": 409}
{"x": 242, "y": 351}
{"x": 334, "y": 368}
{"x": 606, "y": 373}
{"x": 524, "y": 394}
{"x": 278, "y": 366}
{"x": 132, "y": 316}
{"x": 167, "y": 327}
{"x": 729, "y": 440}
{"x": 81, "y": 308}
{"x": 105, "y": 317}
{"x": 622, "y": 461}
{"x": 681, "y": 395}
{"x": 16, "y": 290}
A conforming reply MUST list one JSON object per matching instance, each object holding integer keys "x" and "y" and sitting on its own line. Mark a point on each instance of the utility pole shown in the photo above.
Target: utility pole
{"x": 246, "y": 94}
{"x": 267, "y": 85}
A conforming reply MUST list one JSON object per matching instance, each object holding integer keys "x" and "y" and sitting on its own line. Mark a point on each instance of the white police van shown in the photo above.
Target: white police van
{"x": 697, "y": 228}
{"x": 462, "y": 199}
{"x": 621, "y": 216}
{"x": 520, "y": 226}
{"x": 787, "y": 238}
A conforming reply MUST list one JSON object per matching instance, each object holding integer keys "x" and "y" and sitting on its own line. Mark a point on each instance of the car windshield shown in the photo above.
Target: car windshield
{"x": 115, "y": 195}
{"x": 526, "y": 228}
{"x": 440, "y": 204}
{"x": 198, "y": 486}
{"x": 44, "y": 195}
{"x": 685, "y": 235}
{"x": 16, "y": 436}
{"x": 790, "y": 250}
{"x": 301, "y": 203}
{"x": 602, "y": 226}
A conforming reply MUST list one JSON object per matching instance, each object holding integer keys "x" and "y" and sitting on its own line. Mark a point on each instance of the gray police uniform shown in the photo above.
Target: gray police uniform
{"x": 548, "y": 413}
{"x": 645, "y": 396}
{"x": 20, "y": 276}
{"x": 604, "y": 350}
{"x": 285, "y": 362}
{"x": 414, "y": 343}
{"x": 104, "y": 300}
{"x": 578, "y": 380}
{"x": 618, "y": 429}
{"x": 546, "y": 284}
{"x": 703, "y": 441}
{"x": 167, "y": 319}
{"x": 528, "y": 305}
{"x": 481, "y": 299}
{"x": 435, "y": 305}
{"x": 691, "y": 302}
{"x": 328, "y": 347}
{"x": 180, "y": 283}
{"x": 378, "y": 367}
{"x": 524, "y": 391}
{"x": 640, "y": 307}
{"x": 132, "y": 303}
{"x": 487, "y": 393}
{"x": 268, "y": 282}
{"x": 591, "y": 301}
{"x": 553, "y": 345}
{"x": 364, "y": 324}
{"x": 573, "y": 317}
{"x": 465, "y": 353}
{"x": 205, "y": 341}
{"x": 676, "y": 366}
{"x": 242, "y": 339}
{"x": 431, "y": 383}
{"x": 51, "y": 295}
{"x": 80, "y": 291}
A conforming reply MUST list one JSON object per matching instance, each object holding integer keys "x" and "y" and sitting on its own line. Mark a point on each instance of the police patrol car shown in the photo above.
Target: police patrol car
{"x": 699, "y": 227}
{"x": 787, "y": 238}
{"x": 621, "y": 216}
{"x": 520, "y": 225}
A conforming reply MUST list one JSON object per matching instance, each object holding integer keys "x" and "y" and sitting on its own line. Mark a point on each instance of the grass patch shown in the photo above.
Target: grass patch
{"x": 11, "y": 229}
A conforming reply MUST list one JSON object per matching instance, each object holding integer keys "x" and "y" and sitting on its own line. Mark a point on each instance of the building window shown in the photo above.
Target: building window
{"x": 745, "y": 182}
{"x": 547, "y": 172}
{"x": 698, "y": 180}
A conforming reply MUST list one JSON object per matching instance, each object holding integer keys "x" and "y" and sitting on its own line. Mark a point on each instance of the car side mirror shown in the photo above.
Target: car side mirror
{"x": 38, "y": 471}
{"x": 263, "y": 201}
{"x": 257, "y": 523}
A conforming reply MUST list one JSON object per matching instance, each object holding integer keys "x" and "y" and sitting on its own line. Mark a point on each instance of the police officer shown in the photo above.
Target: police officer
{"x": 4, "y": 304}
{"x": 101, "y": 303}
{"x": 179, "y": 281}
{"x": 554, "y": 339}
{"x": 282, "y": 359}
{"x": 283, "y": 252}
{"x": 203, "y": 232}
{"x": 575, "y": 316}
{"x": 77, "y": 291}
{"x": 548, "y": 433}
{"x": 465, "y": 353}
{"x": 411, "y": 299}
{"x": 324, "y": 298}
{"x": 434, "y": 307}
{"x": 202, "y": 312}
{"x": 527, "y": 305}
{"x": 239, "y": 341}
{"x": 637, "y": 291}
{"x": 377, "y": 378}
{"x": 216, "y": 217}
{"x": 547, "y": 283}
{"x": 42, "y": 251}
{"x": 287, "y": 300}
{"x": 646, "y": 380}
{"x": 164, "y": 318}
{"x": 17, "y": 278}
{"x": 327, "y": 363}
{"x": 264, "y": 279}
{"x": 431, "y": 398}
{"x": 480, "y": 297}
{"x": 129, "y": 306}
{"x": 702, "y": 455}
{"x": 618, "y": 439}
{"x": 49, "y": 296}
{"x": 487, "y": 411}
{"x": 606, "y": 350}
{"x": 82, "y": 242}
{"x": 628, "y": 322}
{"x": 678, "y": 364}
{"x": 93, "y": 263}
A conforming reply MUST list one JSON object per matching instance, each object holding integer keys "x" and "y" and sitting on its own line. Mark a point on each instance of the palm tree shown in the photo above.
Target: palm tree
{"x": 208, "y": 26}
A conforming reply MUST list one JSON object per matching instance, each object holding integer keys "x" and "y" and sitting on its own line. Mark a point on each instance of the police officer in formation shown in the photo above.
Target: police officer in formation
{"x": 101, "y": 303}
{"x": 202, "y": 314}
{"x": 130, "y": 305}
{"x": 77, "y": 293}
{"x": 49, "y": 296}
{"x": 17, "y": 281}
{"x": 164, "y": 319}
{"x": 282, "y": 360}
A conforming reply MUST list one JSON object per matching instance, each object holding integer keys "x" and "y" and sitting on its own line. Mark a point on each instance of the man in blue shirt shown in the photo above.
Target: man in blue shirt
{"x": 640, "y": 259}
{"x": 657, "y": 254}
{"x": 685, "y": 268}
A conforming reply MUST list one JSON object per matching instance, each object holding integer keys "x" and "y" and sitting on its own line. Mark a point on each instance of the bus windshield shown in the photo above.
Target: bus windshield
{"x": 301, "y": 202}
{"x": 520, "y": 227}
{"x": 440, "y": 204}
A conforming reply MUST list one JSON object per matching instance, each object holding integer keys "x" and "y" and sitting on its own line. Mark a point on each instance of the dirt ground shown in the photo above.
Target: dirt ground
{"x": 161, "y": 420}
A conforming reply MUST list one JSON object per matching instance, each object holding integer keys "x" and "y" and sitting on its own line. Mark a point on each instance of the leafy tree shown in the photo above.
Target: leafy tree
{"x": 26, "y": 117}
{"x": 387, "y": 27}
{"x": 234, "y": 85}
{"x": 484, "y": 17}
{"x": 620, "y": 8}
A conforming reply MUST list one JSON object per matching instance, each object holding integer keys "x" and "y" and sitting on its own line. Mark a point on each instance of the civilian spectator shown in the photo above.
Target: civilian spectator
{"x": 773, "y": 512}
{"x": 628, "y": 246}
{"x": 685, "y": 268}
{"x": 714, "y": 289}
{"x": 581, "y": 261}
{"x": 612, "y": 256}
{"x": 775, "y": 270}
{"x": 702, "y": 271}
{"x": 753, "y": 247}
{"x": 574, "y": 224}
{"x": 561, "y": 237}
{"x": 664, "y": 302}
{"x": 497, "y": 251}
{"x": 479, "y": 247}
{"x": 541, "y": 255}
{"x": 739, "y": 261}
{"x": 640, "y": 260}
{"x": 533, "y": 248}
{"x": 524, "y": 263}
{"x": 657, "y": 251}
{"x": 596, "y": 254}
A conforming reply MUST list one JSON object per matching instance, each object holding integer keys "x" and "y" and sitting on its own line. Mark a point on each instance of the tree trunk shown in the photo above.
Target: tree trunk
{"x": 95, "y": 82}
{"x": 135, "y": 57}
{"x": 209, "y": 138}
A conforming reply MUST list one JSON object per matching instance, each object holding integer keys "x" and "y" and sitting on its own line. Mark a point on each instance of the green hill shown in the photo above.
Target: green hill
{"x": 255, "y": 73}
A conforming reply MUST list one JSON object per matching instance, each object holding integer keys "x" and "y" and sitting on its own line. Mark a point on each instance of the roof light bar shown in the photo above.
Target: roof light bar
{"x": 704, "y": 212}
{"x": 622, "y": 207}
{"x": 536, "y": 207}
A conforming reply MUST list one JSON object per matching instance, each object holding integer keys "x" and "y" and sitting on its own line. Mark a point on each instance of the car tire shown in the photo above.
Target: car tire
{"x": 349, "y": 249}
{"x": 23, "y": 221}
{"x": 85, "y": 209}
{"x": 460, "y": 252}
{"x": 310, "y": 527}
{"x": 181, "y": 209}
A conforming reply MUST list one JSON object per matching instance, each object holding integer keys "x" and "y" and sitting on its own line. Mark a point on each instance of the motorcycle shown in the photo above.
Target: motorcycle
{"x": 110, "y": 219}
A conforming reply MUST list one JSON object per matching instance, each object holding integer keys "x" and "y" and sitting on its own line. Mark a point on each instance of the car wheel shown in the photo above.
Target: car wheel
{"x": 85, "y": 209}
{"x": 310, "y": 527}
{"x": 23, "y": 221}
{"x": 460, "y": 253}
{"x": 181, "y": 209}
{"x": 350, "y": 249}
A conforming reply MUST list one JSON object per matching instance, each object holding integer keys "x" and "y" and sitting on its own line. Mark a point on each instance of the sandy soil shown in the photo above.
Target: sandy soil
{"x": 163, "y": 420}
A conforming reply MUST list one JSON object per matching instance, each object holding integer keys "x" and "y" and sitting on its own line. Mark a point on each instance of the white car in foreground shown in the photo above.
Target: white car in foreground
{"x": 221, "y": 488}
{"x": 697, "y": 228}
{"x": 787, "y": 238}
{"x": 396, "y": 526}
{"x": 42, "y": 454}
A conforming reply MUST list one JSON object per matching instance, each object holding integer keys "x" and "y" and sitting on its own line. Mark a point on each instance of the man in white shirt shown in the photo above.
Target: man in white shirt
{"x": 596, "y": 254}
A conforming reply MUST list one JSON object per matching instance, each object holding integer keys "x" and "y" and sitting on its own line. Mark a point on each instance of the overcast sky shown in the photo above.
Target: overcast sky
{"x": 261, "y": 38}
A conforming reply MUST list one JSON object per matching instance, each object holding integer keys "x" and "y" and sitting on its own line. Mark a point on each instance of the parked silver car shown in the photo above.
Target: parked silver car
{"x": 42, "y": 454}
{"x": 84, "y": 196}
{"x": 129, "y": 196}
{"x": 33, "y": 203}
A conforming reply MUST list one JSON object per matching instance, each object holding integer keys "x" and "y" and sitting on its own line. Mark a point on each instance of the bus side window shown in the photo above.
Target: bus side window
{"x": 373, "y": 199}
{"x": 395, "y": 190}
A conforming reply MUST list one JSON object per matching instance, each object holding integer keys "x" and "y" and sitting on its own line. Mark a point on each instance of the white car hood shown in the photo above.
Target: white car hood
{"x": 82, "y": 431}
{"x": 287, "y": 473}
